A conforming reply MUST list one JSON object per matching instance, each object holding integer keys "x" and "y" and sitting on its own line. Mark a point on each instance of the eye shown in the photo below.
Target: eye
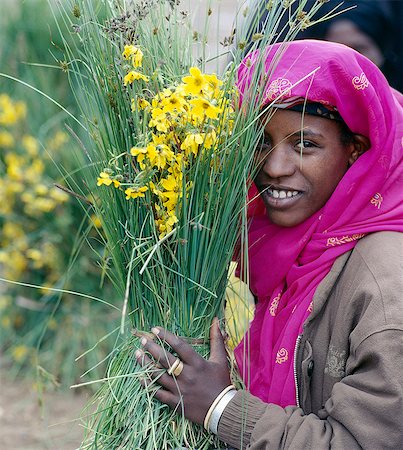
{"x": 264, "y": 145}
{"x": 301, "y": 145}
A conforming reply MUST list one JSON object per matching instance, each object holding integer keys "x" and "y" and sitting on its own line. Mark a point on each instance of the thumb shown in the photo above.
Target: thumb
{"x": 218, "y": 352}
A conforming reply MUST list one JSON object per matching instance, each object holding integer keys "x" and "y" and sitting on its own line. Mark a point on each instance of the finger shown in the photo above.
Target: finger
{"x": 160, "y": 354}
{"x": 167, "y": 397}
{"x": 218, "y": 352}
{"x": 153, "y": 372}
{"x": 182, "y": 348}
{"x": 149, "y": 377}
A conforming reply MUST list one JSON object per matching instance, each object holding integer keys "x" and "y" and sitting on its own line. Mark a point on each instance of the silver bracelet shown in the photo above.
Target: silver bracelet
{"x": 219, "y": 409}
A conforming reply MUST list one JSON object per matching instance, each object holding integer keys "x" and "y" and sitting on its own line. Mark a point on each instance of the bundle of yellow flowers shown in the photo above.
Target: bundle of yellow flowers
{"x": 183, "y": 121}
{"x": 170, "y": 160}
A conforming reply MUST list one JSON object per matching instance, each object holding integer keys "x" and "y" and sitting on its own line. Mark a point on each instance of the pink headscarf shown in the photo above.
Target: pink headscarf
{"x": 287, "y": 264}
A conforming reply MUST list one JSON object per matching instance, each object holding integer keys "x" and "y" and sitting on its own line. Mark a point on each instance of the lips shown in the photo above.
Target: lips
{"x": 280, "y": 197}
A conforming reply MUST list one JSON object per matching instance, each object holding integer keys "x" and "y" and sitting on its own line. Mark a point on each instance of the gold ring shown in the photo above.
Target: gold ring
{"x": 178, "y": 369}
{"x": 177, "y": 366}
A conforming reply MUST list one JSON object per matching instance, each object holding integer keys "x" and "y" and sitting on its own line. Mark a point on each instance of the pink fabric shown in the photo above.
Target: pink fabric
{"x": 287, "y": 264}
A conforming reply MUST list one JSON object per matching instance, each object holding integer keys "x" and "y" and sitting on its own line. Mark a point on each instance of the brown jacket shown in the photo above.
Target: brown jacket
{"x": 349, "y": 363}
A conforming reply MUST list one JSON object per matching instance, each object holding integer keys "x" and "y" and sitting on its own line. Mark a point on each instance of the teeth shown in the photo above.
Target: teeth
{"x": 282, "y": 194}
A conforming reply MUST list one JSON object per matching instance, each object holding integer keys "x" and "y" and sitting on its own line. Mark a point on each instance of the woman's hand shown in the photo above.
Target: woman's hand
{"x": 196, "y": 387}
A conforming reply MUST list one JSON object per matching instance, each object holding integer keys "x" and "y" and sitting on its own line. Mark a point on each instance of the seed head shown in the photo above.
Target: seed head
{"x": 257, "y": 36}
{"x": 76, "y": 11}
{"x": 242, "y": 45}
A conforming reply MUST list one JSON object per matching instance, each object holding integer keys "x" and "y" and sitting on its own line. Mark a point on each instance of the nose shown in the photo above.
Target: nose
{"x": 279, "y": 162}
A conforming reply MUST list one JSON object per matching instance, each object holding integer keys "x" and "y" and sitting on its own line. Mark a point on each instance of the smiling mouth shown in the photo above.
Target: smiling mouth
{"x": 281, "y": 199}
{"x": 282, "y": 193}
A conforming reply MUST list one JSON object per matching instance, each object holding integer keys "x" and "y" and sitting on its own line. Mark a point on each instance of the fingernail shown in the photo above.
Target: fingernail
{"x": 155, "y": 331}
{"x": 138, "y": 354}
{"x": 143, "y": 341}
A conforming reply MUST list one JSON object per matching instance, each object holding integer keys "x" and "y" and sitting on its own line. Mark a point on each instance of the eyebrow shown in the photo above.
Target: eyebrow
{"x": 307, "y": 133}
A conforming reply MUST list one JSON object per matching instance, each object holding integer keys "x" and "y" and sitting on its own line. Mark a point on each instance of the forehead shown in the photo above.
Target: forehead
{"x": 284, "y": 121}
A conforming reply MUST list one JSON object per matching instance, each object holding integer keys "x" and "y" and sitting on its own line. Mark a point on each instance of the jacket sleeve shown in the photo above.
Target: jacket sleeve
{"x": 365, "y": 409}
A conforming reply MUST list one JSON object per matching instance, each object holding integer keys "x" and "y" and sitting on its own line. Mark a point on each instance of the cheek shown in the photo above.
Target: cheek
{"x": 329, "y": 175}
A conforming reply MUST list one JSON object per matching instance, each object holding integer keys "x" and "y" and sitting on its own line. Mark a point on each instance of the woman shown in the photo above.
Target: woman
{"x": 323, "y": 359}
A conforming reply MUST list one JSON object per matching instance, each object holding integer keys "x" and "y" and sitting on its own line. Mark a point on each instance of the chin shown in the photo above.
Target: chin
{"x": 284, "y": 221}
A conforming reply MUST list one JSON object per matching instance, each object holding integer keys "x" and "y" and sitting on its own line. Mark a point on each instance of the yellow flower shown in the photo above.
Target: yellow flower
{"x": 41, "y": 189}
{"x": 36, "y": 257}
{"x": 6, "y": 139}
{"x": 43, "y": 204}
{"x": 34, "y": 254}
{"x": 34, "y": 172}
{"x": 164, "y": 155}
{"x": 5, "y": 302}
{"x": 141, "y": 103}
{"x": 159, "y": 139}
{"x": 30, "y": 144}
{"x": 58, "y": 140}
{"x": 213, "y": 84}
{"x": 169, "y": 184}
{"x": 192, "y": 142}
{"x": 135, "y": 192}
{"x": 58, "y": 195}
{"x": 15, "y": 166}
{"x": 20, "y": 109}
{"x": 140, "y": 154}
{"x": 210, "y": 139}
{"x": 202, "y": 108}
{"x": 128, "y": 51}
{"x": 13, "y": 231}
{"x": 135, "y": 53}
{"x": 239, "y": 307}
{"x": 19, "y": 352}
{"x": 195, "y": 82}
{"x": 10, "y": 112}
{"x": 4, "y": 257}
{"x": 176, "y": 168}
{"x": 172, "y": 103}
{"x": 27, "y": 197}
{"x": 172, "y": 191}
{"x": 165, "y": 221}
{"x": 105, "y": 178}
{"x": 159, "y": 120}
{"x": 133, "y": 75}
{"x": 96, "y": 221}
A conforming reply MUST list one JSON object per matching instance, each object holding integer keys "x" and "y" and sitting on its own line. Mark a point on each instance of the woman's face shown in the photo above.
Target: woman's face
{"x": 347, "y": 33}
{"x": 300, "y": 168}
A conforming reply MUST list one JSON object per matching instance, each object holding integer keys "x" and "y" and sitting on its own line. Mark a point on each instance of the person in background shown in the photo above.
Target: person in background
{"x": 371, "y": 27}
{"x": 322, "y": 361}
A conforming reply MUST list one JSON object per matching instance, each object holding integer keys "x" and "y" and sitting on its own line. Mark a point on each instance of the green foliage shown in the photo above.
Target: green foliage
{"x": 47, "y": 235}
